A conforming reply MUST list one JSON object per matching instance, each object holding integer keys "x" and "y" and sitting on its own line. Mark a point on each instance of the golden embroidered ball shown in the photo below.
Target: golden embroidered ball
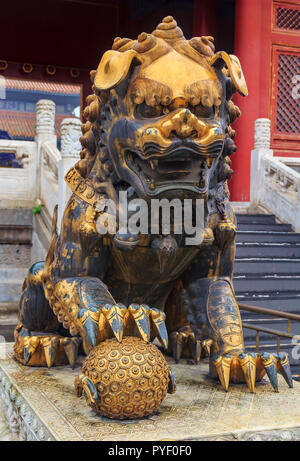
{"x": 131, "y": 377}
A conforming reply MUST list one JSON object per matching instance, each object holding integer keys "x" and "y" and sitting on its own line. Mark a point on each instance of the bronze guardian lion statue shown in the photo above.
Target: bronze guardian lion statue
{"x": 158, "y": 126}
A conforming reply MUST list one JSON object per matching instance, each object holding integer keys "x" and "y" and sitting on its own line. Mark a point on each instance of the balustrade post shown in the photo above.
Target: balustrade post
{"x": 70, "y": 154}
{"x": 297, "y": 210}
{"x": 45, "y": 131}
{"x": 262, "y": 138}
{"x": 45, "y": 121}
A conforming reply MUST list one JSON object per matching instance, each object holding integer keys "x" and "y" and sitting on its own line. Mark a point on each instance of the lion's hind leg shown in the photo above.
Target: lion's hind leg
{"x": 39, "y": 338}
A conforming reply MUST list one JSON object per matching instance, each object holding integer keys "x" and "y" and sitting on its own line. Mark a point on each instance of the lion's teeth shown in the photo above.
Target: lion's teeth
{"x": 153, "y": 164}
{"x": 208, "y": 162}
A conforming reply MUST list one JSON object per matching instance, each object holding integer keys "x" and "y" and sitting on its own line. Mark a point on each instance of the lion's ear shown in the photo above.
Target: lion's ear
{"x": 220, "y": 59}
{"x": 113, "y": 68}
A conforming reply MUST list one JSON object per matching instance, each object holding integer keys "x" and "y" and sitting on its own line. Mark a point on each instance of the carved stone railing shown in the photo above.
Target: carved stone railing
{"x": 274, "y": 183}
{"x": 18, "y": 185}
{"x": 70, "y": 154}
{"x": 49, "y": 158}
{"x": 22, "y": 420}
{"x": 33, "y": 175}
{"x": 53, "y": 163}
{"x": 43, "y": 167}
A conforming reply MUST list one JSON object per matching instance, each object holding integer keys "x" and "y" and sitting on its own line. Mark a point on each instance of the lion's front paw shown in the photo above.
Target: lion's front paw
{"x": 45, "y": 349}
{"x": 118, "y": 321}
{"x": 251, "y": 367}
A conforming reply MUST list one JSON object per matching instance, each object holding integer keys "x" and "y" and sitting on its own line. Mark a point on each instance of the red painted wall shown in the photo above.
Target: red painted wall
{"x": 252, "y": 46}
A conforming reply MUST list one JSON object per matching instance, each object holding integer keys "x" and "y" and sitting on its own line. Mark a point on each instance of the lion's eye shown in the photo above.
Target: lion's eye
{"x": 145, "y": 111}
{"x": 203, "y": 111}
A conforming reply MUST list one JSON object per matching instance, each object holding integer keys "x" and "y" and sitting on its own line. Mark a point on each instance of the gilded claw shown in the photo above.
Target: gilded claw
{"x": 269, "y": 363}
{"x": 206, "y": 346}
{"x": 248, "y": 365}
{"x": 158, "y": 318}
{"x": 83, "y": 383}
{"x": 177, "y": 341}
{"x": 71, "y": 350}
{"x": 78, "y": 386}
{"x": 50, "y": 346}
{"x": 185, "y": 342}
{"x": 195, "y": 348}
{"x": 222, "y": 364}
{"x": 114, "y": 314}
{"x": 252, "y": 367}
{"x": 283, "y": 366}
{"x": 30, "y": 345}
{"x": 172, "y": 382}
{"x": 141, "y": 314}
{"x": 89, "y": 320}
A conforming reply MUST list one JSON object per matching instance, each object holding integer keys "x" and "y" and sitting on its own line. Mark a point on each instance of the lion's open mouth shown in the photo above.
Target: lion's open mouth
{"x": 181, "y": 168}
{"x": 175, "y": 166}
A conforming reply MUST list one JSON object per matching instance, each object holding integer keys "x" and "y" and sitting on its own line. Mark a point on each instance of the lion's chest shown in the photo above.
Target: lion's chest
{"x": 136, "y": 275}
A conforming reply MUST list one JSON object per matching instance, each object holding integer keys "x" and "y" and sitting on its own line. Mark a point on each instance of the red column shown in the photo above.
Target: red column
{"x": 251, "y": 49}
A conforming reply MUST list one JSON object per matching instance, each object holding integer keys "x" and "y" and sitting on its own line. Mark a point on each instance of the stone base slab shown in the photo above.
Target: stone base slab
{"x": 40, "y": 404}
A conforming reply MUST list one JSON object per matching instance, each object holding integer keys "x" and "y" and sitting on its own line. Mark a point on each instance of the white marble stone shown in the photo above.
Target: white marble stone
{"x": 45, "y": 120}
{"x": 40, "y": 181}
{"x": 274, "y": 184}
{"x": 19, "y": 183}
{"x": 262, "y": 134}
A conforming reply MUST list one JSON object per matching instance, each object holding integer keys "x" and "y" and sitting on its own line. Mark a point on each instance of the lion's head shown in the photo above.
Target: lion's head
{"x": 159, "y": 118}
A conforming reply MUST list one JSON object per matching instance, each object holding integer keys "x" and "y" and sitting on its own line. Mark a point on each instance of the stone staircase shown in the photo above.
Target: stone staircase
{"x": 267, "y": 274}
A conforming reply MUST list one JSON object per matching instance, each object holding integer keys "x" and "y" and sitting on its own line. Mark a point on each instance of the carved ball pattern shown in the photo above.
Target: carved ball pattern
{"x": 131, "y": 377}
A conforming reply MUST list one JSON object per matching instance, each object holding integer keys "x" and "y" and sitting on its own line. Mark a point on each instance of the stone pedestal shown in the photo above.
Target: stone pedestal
{"x": 40, "y": 404}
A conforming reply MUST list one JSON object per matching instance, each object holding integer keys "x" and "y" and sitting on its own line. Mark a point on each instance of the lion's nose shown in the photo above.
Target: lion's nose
{"x": 183, "y": 123}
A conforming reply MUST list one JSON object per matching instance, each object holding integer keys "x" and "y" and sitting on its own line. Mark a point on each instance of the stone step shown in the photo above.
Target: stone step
{"x": 7, "y": 332}
{"x": 267, "y": 250}
{"x": 8, "y": 320}
{"x": 264, "y": 227}
{"x": 10, "y": 291}
{"x": 269, "y": 283}
{"x": 255, "y": 218}
{"x": 16, "y": 226}
{"x": 267, "y": 237}
{"x": 286, "y": 302}
{"x": 261, "y": 266}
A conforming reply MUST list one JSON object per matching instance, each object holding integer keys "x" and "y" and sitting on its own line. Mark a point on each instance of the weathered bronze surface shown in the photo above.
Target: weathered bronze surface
{"x": 158, "y": 126}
